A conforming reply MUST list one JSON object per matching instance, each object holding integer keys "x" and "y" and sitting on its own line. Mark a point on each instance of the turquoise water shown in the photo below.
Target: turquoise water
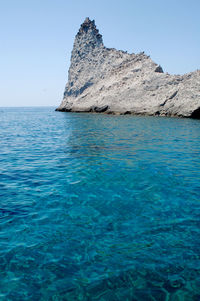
{"x": 98, "y": 207}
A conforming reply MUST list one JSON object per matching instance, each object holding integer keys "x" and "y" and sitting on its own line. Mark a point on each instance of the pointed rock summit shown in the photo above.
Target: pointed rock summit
{"x": 89, "y": 30}
{"x": 107, "y": 80}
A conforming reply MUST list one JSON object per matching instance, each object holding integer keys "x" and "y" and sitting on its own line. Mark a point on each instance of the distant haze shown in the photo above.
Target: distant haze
{"x": 37, "y": 39}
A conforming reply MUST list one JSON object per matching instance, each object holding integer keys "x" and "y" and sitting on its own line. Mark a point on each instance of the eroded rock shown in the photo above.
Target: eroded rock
{"x": 107, "y": 80}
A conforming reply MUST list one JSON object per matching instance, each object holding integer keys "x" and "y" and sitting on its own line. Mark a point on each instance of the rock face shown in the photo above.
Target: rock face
{"x": 107, "y": 80}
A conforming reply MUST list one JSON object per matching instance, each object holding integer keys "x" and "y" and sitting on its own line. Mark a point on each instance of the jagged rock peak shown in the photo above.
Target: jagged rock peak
{"x": 87, "y": 24}
{"x": 88, "y": 29}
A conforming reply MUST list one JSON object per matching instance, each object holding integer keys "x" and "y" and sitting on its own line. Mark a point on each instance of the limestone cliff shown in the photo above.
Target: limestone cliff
{"x": 107, "y": 80}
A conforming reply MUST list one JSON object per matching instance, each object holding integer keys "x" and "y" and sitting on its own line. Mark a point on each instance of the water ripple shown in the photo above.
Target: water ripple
{"x": 98, "y": 207}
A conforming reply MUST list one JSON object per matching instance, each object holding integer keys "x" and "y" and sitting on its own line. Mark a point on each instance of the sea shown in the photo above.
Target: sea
{"x": 98, "y": 207}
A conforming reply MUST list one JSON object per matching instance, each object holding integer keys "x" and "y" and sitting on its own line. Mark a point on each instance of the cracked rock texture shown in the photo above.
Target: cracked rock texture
{"x": 107, "y": 80}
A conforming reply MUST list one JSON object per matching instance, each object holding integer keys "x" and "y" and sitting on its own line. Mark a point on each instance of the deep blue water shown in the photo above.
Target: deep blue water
{"x": 98, "y": 207}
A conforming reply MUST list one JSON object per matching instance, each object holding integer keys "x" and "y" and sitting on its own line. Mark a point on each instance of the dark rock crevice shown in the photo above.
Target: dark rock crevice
{"x": 99, "y": 109}
{"x": 196, "y": 114}
{"x": 78, "y": 91}
{"x": 169, "y": 98}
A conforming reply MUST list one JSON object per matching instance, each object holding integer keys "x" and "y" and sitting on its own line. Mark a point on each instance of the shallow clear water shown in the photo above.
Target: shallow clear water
{"x": 98, "y": 207}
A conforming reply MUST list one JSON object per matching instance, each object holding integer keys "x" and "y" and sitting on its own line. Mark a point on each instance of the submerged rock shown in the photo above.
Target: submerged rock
{"x": 107, "y": 80}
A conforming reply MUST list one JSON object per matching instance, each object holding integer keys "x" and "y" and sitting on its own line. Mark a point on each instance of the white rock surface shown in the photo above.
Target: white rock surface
{"x": 107, "y": 80}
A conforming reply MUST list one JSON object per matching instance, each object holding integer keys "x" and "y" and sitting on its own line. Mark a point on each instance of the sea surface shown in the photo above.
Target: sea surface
{"x": 98, "y": 207}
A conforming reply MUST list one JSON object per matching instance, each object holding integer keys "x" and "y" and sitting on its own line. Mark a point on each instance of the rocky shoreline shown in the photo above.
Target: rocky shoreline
{"x": 106, "y": 80}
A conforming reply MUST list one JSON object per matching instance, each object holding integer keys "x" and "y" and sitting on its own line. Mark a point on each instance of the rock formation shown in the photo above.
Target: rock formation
{"x": 107, "y": 80}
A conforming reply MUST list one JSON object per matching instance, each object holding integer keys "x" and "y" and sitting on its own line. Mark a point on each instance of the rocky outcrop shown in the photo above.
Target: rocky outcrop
{"x": 107, "y": 80}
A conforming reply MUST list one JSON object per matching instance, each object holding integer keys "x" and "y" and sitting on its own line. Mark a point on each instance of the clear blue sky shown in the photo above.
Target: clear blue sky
{"x": 37, "y": 37}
